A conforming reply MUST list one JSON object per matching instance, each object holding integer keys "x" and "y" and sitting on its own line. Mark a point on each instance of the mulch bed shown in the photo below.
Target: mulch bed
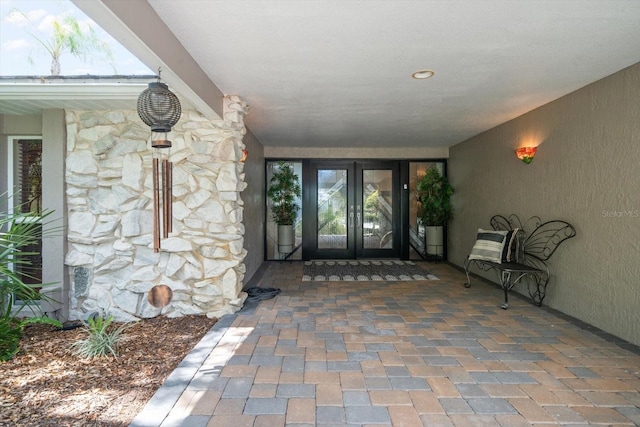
{"x": 47, "y": 385}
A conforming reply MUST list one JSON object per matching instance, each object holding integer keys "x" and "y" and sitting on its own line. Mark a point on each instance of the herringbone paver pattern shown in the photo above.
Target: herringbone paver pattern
{"x": 398, "y": 353}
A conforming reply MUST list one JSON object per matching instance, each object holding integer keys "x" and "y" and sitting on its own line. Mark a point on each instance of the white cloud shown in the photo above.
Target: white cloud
{"x": 17, "y": 44}
{"x": 34, "y": 15}
{"x": 17, "y": 18}
{"x": 47, "y": 24}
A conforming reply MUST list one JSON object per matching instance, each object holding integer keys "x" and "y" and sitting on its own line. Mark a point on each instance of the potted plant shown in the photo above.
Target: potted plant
{"x": 434, "y": 194}
{"x": 284, "y": 188}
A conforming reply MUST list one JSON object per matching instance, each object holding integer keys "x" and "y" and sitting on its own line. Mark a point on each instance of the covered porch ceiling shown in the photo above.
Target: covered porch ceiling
{"x": 332, "y": 73}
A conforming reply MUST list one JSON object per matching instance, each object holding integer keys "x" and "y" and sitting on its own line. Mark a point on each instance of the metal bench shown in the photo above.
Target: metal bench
{"x": 535, "y": 242}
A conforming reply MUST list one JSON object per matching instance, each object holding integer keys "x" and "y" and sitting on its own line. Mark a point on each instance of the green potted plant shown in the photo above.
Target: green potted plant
{"x": 434, "y": 194}
{"x": 284, "y": 189}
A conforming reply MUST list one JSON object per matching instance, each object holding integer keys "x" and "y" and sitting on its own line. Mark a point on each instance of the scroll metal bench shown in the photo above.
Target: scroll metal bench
{"x": 531, "y": 245}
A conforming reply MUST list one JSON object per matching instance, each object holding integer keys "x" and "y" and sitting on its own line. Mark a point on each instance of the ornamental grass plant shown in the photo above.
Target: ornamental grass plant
{"x": 102, "y": 340}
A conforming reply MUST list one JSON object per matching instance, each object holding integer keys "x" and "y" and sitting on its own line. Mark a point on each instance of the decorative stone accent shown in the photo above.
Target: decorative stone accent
{"x": 81, "y": 277}
{"x": 160, "y": 296}
{"x": 109, "y": 197}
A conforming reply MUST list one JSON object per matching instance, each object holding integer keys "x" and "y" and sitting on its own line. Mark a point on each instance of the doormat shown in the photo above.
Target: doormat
{"x": 363, "y": 271}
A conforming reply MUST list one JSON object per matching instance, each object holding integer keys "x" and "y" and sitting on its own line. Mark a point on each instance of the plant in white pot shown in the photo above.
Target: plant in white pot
{"x": 434, "y": 194}
{"x": 284, "y": 189}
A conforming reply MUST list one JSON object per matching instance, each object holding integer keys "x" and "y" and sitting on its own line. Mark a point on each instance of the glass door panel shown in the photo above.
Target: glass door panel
{"x": 272, "y": 249}
{"x": 377, "y": 202}
{"x": 417, "y": 231}
{"x": 331, "y": 200}
{"x": 377, "y": 210}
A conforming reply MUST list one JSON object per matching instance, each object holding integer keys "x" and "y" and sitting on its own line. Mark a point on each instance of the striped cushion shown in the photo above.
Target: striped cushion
{"x": 489, "y": 245}
{"x": 509, "y": 251}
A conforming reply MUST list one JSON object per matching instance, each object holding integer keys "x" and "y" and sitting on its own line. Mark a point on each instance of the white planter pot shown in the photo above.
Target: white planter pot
{"x": 435, "y": 240}
{"x": 286, "y": 238}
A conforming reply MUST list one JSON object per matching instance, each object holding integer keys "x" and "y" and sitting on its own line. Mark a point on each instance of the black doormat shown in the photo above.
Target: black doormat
{"x": 363, "y": 271}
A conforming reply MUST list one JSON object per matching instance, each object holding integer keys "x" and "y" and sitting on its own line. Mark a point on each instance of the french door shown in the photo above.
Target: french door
{"x": 353, "y": 210}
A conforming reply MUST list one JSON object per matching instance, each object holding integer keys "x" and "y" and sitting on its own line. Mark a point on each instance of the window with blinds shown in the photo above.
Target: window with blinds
{"x": 27, "y": 171}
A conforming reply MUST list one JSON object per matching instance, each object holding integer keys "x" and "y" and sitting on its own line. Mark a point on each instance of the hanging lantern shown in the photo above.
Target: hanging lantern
{"x": 159, "y": 109}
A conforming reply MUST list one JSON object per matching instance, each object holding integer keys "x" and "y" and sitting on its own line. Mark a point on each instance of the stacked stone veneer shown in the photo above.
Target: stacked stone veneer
{"x": 109, "y": 199}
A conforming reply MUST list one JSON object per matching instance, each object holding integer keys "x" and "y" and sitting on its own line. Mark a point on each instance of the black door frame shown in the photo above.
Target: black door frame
{"x": 354, "y": 237}
{"x": 309, "y": 208}
{"x": 406, "y": 250}
{"x": 396, "y": 216}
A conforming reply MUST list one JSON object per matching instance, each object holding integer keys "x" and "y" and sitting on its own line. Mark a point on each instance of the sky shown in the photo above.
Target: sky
{"x": 16, "y": 44}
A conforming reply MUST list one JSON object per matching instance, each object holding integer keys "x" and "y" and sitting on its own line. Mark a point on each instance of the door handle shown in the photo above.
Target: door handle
{"x": 359, "y": 219}
{"x": 351, "y": 220}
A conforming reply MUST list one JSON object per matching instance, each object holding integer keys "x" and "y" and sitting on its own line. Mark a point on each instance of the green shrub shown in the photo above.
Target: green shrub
{"x": 11, "y": 332}
{"x": 18, "y": 232}
{"x": 102, "y": 341}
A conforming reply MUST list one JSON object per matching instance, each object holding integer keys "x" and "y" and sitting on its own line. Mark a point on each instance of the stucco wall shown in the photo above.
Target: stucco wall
{"x": 587, "y": 172}
{"x": 253, "y": 197}
{"x": 14, "y": 126}
{"x": 53, "y": 189}
{"x": 20, "y": 125}
{"x": 51, "y": 127}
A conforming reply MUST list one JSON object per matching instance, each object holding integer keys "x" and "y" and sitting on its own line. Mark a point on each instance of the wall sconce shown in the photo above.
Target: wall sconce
{"x": 526, "y": 154}
{"x": 245, "y": 154}
{"x": 160, "y": 109}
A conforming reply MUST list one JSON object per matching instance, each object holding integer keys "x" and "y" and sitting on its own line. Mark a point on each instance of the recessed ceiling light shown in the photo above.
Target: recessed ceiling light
{"x": 423, "y": 74}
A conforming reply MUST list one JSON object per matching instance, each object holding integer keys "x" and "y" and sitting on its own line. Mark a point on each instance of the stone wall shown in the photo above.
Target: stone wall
{"x": 109, "y": 195}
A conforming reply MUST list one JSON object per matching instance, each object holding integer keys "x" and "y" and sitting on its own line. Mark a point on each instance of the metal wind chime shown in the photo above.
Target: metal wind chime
{"x": 160, "y": 109}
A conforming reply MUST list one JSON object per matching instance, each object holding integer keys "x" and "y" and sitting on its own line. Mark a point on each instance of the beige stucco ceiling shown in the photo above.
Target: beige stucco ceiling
{"x": 337, "y": 73}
